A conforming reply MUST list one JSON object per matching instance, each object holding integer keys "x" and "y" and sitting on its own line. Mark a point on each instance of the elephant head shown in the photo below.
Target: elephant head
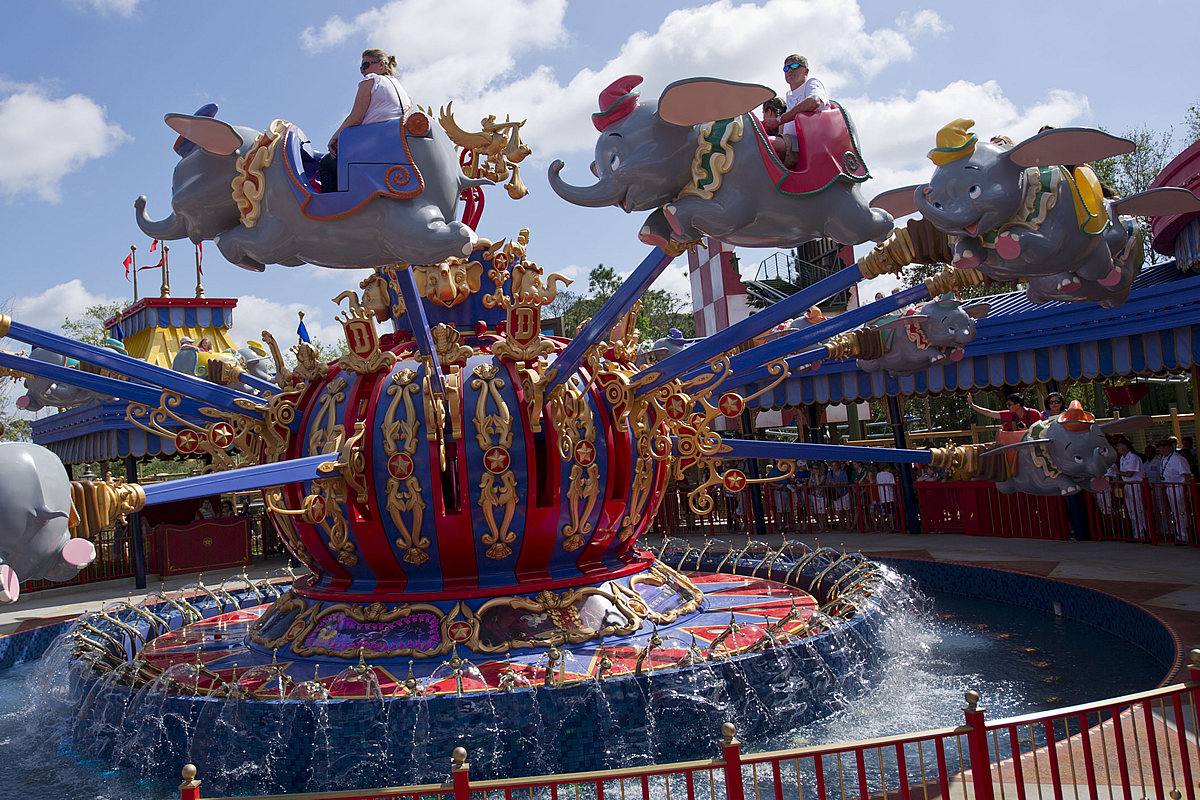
{"x": 202, "y": 206}
{"x": 44, "y": 393}
{"x": 35, "y": 514}
{"x": 912, "y": 342}
{"x": 1066, "y": 454}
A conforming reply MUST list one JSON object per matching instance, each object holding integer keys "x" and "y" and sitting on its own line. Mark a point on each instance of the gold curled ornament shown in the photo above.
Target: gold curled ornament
{"x": 250, "y": 184}
{"x": 498, "y": 484}
{"x": 561, "y": 610}
{"x": 495, "y": 150}
{"x": 405, "y": 503}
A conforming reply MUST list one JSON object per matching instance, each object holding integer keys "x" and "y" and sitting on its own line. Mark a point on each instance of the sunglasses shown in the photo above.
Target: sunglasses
{"x": 790, "y": 67}
{"x": 366, "y": 64}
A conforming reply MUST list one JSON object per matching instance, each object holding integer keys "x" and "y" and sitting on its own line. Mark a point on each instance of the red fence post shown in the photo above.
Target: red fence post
{"x": 190, "y": 788}
{"x": 731, "y": 751}
{"x": 459, "y": 774}
{"x": 1194, "y": 664}
{"x": 977, "y": 746}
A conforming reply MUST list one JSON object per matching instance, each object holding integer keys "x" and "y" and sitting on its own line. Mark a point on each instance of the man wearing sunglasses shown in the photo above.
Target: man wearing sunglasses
{"x": 804, "y": 94}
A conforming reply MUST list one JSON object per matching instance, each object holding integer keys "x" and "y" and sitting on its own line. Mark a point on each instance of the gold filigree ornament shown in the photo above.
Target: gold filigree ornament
{"x": 351, "y": 466}
{"x": 576, "y": 429}
{"x": 498, "y": 485}
{"x": 659, "y": 575}
{"x": 214, "y": 440}
{"x": 495, "y": 151}
{"x": 624, "y": 335}
{"x": 448, "y": 343}
{"x": 362, "y": 339}
{"x": 325, "y": 433}
{"x": 281, "y": 518}
{"x": 249, "y": 185}
{"x": 401, "y": 434}
{"x": 732, "y": 480}
{"x": 333, "y": 522}
{"x": 523, "y": 340}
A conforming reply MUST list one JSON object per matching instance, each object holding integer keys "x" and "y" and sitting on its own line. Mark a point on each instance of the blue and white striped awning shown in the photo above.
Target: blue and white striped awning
{"x": 1156, "y": 332}
{"x": 97, "y": 432}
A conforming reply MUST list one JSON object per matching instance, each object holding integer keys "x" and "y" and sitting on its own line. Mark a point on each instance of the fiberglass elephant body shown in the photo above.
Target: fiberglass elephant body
{"x": 1065, "y": 454}
{"x": 35, "y": 510}
{"x": 704, "y": 167}
{"x": 1015, "y": 214}
{"x": 914, "y": 342}
{"x": 400, "y": 184}
{"x": 44, "y": 393}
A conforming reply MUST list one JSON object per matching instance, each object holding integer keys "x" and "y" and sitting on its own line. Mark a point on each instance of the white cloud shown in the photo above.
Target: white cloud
{"x": 432, "y": 54}
{"x": 53, "y": 139}
{"x": 120, "y": 8}
{"x": 48, "y": 309}
{"x": 255, "y": 314}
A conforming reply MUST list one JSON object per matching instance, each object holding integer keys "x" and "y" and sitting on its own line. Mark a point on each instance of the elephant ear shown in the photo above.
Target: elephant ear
{"x": 1127, "y": 424}
{"x": 1009, "y": 448}
{"x": 1068, "y": 146}
{"x": 694, "y": 100}
{"x": 1159, "y": 203}
{"x": 898, "y": 202}
{"x": 212, "y": 135}
{"x": 900, "y": 322}
{"x": 978, "y": 311}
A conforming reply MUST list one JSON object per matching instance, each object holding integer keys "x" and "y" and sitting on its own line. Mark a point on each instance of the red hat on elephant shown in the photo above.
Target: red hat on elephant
{"x": 1075, "y": 418}
{"x": 617, "y": 101}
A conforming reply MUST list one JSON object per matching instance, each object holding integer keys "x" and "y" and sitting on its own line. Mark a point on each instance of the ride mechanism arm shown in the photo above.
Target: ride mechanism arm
{"x": 221, "y": 397}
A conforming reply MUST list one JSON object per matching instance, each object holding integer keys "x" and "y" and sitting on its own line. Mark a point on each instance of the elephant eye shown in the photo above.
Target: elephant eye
{"x": 615, "y": 162}
{"x": 937, "y": 205}
{"x": 1078, "y": 459}
{"x": 974, "y": 192}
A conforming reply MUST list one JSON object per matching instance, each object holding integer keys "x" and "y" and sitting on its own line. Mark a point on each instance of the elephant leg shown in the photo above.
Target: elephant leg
{"x": 10, "y": 584}
{"x": 691, "y": 217}
{"x": 852, "y": 221}
{"x": 656, "y": 231}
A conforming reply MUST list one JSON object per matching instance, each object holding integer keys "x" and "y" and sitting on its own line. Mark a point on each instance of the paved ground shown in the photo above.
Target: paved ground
{"x": 1163, "y": 579}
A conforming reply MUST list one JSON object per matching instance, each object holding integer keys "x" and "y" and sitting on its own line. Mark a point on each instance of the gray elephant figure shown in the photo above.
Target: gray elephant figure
{"x": 705, "y": 167}
{"x": 1066, "y": 454}
{"x": 1016, "y": 214}
{"x": 252, "y": 193}
{"x": 668, "y": 345}
{"x": 44, "y": 393}
{"x": 257, "y": 361}
{"x": 35, "y": 511}
{"x": 914, "y": 342}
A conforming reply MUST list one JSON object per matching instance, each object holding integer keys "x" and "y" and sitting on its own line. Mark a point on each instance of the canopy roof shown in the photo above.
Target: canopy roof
{"x": 1156, "y": 332}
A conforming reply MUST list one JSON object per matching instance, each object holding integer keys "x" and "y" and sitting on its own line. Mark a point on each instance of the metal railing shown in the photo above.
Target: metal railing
{"x": 1138, "y": 745}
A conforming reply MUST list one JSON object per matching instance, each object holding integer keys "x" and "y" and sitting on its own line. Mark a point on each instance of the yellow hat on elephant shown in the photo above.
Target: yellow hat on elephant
{"x": 954, "y": 142}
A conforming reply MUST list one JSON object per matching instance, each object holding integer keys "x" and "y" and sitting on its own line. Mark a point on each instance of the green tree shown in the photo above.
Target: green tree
{"x": 90, "y": 327}
{"x": 1191, "y": 124}
{"x": 661, "y": 310}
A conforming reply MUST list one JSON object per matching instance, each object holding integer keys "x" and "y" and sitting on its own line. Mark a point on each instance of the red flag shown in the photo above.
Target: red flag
{"x": 127, "y": 262}
{"x": 154, "y": 245}
{"x": 200, "y": 258}
{"x": 151, "y": 266}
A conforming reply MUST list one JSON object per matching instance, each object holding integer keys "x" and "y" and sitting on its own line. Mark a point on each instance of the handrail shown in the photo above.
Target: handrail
{"x": 829, "y": 749}
{"x": 355, "y": 794}
{"x": 597, "y": 775}
{"x": 1096, "y": 705}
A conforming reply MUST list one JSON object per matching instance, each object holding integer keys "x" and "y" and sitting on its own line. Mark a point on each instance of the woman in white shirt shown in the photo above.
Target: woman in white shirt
{"x": 380, "y": 97}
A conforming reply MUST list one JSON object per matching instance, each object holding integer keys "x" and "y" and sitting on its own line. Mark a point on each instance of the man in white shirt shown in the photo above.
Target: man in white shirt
{"x": 887, "y": 490}
{"x": 1176, "y": 473}
{"x": 1130, "y": 467}
{"x": 804, "y": 94}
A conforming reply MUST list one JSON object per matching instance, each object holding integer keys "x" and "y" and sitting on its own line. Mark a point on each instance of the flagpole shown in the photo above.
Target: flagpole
{"x": 199, "y": 287}
{"x": 165, "y": 289}
{"x": 133, "y": 262}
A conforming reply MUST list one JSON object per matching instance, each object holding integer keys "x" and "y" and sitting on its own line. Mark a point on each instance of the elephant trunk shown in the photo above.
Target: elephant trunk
{"x": 604, "y": 192}
{"x": 170, "y": 228}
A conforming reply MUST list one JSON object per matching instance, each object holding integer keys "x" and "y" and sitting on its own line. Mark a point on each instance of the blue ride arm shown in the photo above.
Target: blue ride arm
{"x": 238, "y": 480}
{"x": 419, "y": 327}
{"x": 750, "y": 448}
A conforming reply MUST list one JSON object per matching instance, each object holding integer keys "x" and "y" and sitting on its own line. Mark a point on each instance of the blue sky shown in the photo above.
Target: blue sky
{"x": 84, "y": 85}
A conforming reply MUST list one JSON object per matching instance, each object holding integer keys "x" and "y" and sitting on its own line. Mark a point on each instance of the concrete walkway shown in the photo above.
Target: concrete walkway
{"x": 1163, "y": 579}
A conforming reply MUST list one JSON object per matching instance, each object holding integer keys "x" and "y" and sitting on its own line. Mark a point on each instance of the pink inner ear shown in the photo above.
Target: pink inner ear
{"x": 78, "y": 553}
{"x": 10, "y": 585}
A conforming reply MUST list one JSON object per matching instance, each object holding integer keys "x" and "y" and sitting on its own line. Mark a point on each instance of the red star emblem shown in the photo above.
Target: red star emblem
{"x": 459, "y": 631}
{"x": 314, "y": 509}
{"x": 400, "y": 466}
{"x": 221, "y": 434}
{"x": 731, "y": 404}
{"x": 585, "y": 453}
{"x": 697, "y": 419}
{"x": 677, "y": 406}
{"x": 187, "y": 441}
{"x": 496, "y": 460}
{"x": 734, "y": 479}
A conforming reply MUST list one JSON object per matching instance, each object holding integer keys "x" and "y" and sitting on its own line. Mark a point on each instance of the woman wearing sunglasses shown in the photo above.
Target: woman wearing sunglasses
{"x": 380, "y": 97}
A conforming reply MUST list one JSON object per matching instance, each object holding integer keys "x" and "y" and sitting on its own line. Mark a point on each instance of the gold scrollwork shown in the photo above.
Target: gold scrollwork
{"x": 495, "y": 150}
{"x": 660, "y": 574}
{"x": 498, "y": 485}
{"x": 214, "y": 440}
{"x": 351, "y": 465}
{"x": 250, "y": 183}
{"x": 334, "y": 524}
{"x": 576, "y": 428}
{"x": 325, "y": 433}
{"x": 625, "y": 335}
{"x": 362, "y": 339}
{"x": 400, "y": 437}
{"x": 448, "y": 343}
{"x": 281, "y": 518}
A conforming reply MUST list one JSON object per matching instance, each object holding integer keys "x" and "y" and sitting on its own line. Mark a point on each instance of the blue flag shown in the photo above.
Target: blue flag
{"x": 302, "y": 331}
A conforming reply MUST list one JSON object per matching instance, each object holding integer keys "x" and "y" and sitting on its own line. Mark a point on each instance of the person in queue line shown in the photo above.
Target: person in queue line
{"x": 1014, "y": 417}
{"x": 1055, "y": 405}
{"x": 1129, "y": 468}
{"x": 379, "y": 98}
{"x": 1176, "y": 472}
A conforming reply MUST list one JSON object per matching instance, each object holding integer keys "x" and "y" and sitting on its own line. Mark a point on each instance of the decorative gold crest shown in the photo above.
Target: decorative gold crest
{"x": 448, "y": 282}
{"x": 362, "y": 339}
{"x": 495, "y": 151}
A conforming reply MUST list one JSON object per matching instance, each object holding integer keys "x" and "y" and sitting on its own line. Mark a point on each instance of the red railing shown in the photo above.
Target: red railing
{"x": 978, "y": 508}
{"x": 1148, "y": 512}
{"x": 1139, "y": 745}
{"x": 114, "y": 559}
